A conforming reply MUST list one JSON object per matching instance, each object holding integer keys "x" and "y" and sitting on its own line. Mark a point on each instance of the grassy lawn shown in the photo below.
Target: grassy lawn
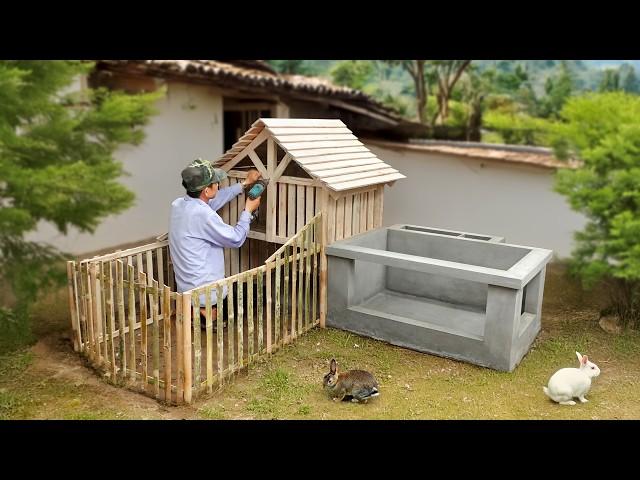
{"x": 50, "y": 381}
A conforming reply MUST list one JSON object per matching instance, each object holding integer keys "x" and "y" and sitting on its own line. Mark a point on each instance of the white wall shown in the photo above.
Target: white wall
{"x": 479, "y": 196}
{"x": 188, "y": 125}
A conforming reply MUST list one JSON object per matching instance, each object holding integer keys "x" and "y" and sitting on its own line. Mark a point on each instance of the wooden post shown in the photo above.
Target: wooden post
{"x": 348, "y": 212}
{"x": 260, "y": 332}
{"x": 271, "y": 190}
{"x": 166, "y": 322}
{"x": 179, "y": 348}
{"x": 93, "y": 314}
{"x": 111, "y": 324}
{"x": 142, "y": 277}
{"x": 230, "y": 326}
{"x": 323, "y": 270}
{"x": 240, "y": 349}
{"x": 285, "y": 314}
{"x": 307, "y": 303}
{"x": 314, "y": 296}
{"x": 277, "y": 296}
{"x": 300, "y": 242}
{"x": 269, "y": 300}
{"x": 186, "y": 352}
{"x": 156, "y": 337}
{"x": 220, "y": 331}
{"x": 101, "y": 287}
{"x": 209, "y": 326}
{"x": 77, "y": 337}
{"x": 121, "y": 318}
{"x": 250, "y": 340}
{"x": 197, "y": 341}
{"x": 132, "y": 323}
{"x": 294, "y": 292}
{"x": 85, "y": 313}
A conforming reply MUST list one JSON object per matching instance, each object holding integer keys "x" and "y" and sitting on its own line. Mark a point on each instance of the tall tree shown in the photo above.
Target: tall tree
{"x": 558, "y": 89}
{"x": 352, "y": 73}
{"x": 56, "y": 159}
{"x": 446, "y": 74}
{"x": 416, "y": 69}
{"x": 610, "y": 80}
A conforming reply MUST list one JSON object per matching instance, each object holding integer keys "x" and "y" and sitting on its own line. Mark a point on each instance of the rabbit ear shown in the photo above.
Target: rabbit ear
{"x": 579, "y": 357}
{"x": 333, "y": 366}
{"x": 584, "y": 360}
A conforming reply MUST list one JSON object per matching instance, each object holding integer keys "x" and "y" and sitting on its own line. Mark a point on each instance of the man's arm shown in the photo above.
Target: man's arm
{"x": 224, "y": 195}
{"x": 226, "y": 236}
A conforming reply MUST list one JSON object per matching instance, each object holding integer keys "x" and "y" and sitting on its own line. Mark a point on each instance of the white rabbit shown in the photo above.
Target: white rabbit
{"x": 568, "y": 383}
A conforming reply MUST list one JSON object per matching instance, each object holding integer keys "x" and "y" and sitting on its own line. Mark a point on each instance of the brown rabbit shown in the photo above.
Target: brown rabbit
{"x": 357, "y": 384}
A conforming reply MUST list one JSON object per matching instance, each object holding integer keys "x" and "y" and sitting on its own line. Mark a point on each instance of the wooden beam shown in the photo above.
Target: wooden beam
{"x": 244, "y": 152}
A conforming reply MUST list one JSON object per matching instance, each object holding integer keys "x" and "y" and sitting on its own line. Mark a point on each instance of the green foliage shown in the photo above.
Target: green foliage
{"x": 519, "y": 128}
{"x": 352, "y": 73}
{"x": 604, "y": 131}
{"x": 56, "y": 157}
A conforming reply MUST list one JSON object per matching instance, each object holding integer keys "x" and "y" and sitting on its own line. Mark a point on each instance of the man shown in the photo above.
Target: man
{"x": 197, "y": 234}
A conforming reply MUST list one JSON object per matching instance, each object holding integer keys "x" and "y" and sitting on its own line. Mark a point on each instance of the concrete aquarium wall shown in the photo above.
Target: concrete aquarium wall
{"x": 461, "y": 295}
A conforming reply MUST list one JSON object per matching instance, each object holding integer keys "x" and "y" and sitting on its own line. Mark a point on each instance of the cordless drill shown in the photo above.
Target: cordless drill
{"x": 255, "y": 190}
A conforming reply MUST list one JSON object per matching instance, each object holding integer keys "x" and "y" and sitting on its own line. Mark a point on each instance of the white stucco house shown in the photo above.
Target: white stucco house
{"x": 209, "y": 104}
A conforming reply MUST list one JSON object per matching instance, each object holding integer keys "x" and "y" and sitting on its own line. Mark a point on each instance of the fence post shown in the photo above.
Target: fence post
{"x": 186, "y": 351}
{"x": 323, "y": 270}
{"x": 73, "y": 301}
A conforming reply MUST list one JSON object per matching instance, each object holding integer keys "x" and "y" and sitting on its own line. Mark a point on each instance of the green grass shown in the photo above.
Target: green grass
{"x": 413, "y": 385}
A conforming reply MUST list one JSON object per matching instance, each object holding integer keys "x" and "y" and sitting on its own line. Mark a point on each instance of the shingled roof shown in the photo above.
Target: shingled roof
{"x": 325, "y": 149}
{"x": 252, "y": 75}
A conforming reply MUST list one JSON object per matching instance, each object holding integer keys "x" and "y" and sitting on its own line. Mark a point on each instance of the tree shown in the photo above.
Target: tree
{"x": 446, "y": 74}
{"x": 57, "y": 166}
{"x": 628, "y": 79}
{"x": 352, "y": 73}
{"x": 416, "y": 68}
{"x": 604, "y": 130}
{"x": 610, "y": 80}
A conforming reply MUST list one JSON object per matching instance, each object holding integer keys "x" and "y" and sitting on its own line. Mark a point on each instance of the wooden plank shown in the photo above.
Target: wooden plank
{"x": 197, "y": 340}
{"x": 314, "y": 280}
{"x": 367, "y": 181}
{"x": 170, "y": 273}
{"x": 336, "y": 172}
{"x": 294, "y": 297}
{"x": 121, "y": 317}
{"x": 231, "y": 326}
{"x": 166, "y": 323}
{"x": 285, "y": 297}
{"x": 281, "y": 167}
{"x": 235, "y": 159}
{"x": 370, "y": 208}
{"x": 179, "y": 350}
{"x": 234, "y": 259}
{"x": 244, "y": 256}
{"x": 318, "y": 200}
{"x": 315, "y": 137}
{"x": 282, "y": 210}
{"x": 260, "y": 332}
{"x": 102, "y": 312}
{"x": 377, "y": 207}
{"x": 295, "y": 147}
{"x": 111, "y": 320}
{"x": 269, "y": 304}
{"x": 155, "y": 331}
{"x": 291, "y": 210}
{"x": 348, "y": 213}
{"x": 278, "y": 276}
{"x": 240, "y": 322}
{"x": 77, "y": 341}
{"x": 186, "y": 346}
{"x": 149, "y": 271}
{"x": 209, "y": 336}
{"x": 336, "y": 159}
{"x": 300, "y": 206}
{"x": 132, "y": 322}
{"x": 300, "y": 122}
{"x": 286, "y": 131}
{"x": 300, "y": 243}
{"x": 307, "y": 300}
{"x": 306, "y": 182}
{"x": 300, "y": 155}
{"x": 323, "y": 272}
{"x": 340, "y": 219}
{"x": 363, "y": 212}
{"x": 271, "y": 190}
{"x": 85, "y": 312}
{"x": 250, "y": 319}
{"x": 309, "y": 202}
{"x": 224, "y": 214}
{"x": 257, "y": 162}
{"x": 125, "y": 253}
{"x": 331, "y": 219}
{"x": 160, "y": 266}
{"x": 355, "y": 224}
{"x": 142, "y": 280}
{"x": 371, "y": 174}
{"x": 220, "y": 330}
